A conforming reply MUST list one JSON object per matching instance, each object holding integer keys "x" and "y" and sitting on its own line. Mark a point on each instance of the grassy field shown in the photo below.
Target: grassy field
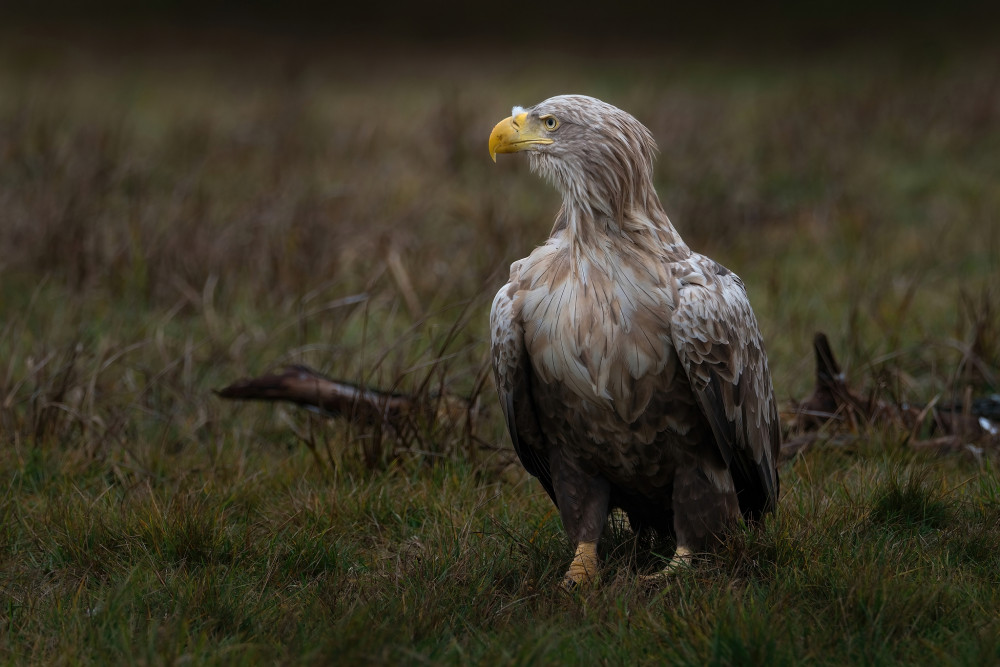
{"x": 171, "y": 220}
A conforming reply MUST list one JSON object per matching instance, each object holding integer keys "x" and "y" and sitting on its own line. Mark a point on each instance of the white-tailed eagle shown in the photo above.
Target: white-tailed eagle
{"x": 630, "y": 369}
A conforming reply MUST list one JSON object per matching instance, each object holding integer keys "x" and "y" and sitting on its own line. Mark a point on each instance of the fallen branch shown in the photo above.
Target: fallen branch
{"x": 402, "y": 413}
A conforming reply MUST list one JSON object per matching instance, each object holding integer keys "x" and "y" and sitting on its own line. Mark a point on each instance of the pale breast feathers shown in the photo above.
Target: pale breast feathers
{"x": 597, "y": 327}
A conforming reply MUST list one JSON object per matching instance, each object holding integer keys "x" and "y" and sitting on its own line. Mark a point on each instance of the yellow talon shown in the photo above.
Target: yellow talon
{"x": 682, "y": 559}
{"x": 583, "y": 569}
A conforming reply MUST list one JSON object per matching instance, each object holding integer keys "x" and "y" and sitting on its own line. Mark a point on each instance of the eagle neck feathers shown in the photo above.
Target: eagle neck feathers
{"x": 599, "y": 239}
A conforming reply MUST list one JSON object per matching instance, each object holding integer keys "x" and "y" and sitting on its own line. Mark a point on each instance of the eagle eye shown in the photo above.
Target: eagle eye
{"x": 550, "y": 122}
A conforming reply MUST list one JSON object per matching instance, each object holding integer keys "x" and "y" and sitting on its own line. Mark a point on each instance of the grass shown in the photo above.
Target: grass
{"x": 173, "y": 221}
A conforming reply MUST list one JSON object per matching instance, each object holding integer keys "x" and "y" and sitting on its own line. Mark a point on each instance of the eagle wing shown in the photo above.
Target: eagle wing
{"x": 512, "y": 373}
{"x": 717, "y": 339}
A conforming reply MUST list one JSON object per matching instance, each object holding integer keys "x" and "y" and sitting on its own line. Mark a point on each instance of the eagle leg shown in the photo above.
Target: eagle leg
{"x": 583, "y": 502}
{"x": 705, "y": 505}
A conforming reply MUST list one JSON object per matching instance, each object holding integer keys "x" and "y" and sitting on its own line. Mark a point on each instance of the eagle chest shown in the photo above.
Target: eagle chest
{"x": 601, "y": 354}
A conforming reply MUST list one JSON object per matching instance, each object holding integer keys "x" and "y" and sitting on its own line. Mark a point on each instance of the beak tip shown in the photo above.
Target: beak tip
{"x": 498, "y": 138}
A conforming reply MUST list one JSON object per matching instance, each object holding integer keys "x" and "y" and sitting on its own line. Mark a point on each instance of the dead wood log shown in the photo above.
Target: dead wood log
{"x": 403, "y": 413}
{"x": 835, "y": 409}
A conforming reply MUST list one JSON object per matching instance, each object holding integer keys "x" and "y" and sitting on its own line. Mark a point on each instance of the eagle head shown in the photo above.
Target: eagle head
{"x": 598, "y": 156}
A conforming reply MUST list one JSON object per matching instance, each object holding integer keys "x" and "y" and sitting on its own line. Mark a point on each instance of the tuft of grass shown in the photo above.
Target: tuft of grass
{"x": 908, "y": 502}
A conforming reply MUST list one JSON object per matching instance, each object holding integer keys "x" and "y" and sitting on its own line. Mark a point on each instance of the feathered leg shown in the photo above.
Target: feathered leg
{"x": 705, "y": 505}
{"x": 583, "y": 506}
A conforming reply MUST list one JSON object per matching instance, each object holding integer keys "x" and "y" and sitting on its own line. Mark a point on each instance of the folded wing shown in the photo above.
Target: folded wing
{"x": 719, "y": 344}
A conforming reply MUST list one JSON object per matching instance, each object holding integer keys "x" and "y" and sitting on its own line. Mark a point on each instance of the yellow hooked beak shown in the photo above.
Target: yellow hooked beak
{"x": 516, "y": 133}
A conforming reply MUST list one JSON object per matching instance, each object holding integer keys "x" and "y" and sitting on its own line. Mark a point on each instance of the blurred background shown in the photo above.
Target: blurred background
{"x": 236, "y": 187}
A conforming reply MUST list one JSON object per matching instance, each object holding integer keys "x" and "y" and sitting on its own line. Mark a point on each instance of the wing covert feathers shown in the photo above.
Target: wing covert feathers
{"x": 719, "y": 344}
{"x": 512, "y": 374}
